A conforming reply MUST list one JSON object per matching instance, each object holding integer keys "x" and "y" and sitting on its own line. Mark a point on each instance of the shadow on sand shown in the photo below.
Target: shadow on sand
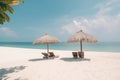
{"x": 40, "y": 59}
{"x": 5, "y": 71}
{"x": 73, "y": 59}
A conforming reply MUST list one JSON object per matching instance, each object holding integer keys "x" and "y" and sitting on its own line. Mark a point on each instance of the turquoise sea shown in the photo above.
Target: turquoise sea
{"x": 100, "y": 46}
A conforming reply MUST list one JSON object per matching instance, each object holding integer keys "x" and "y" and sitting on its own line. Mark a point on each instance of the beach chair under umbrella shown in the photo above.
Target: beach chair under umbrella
{"x": 80, "y": 37}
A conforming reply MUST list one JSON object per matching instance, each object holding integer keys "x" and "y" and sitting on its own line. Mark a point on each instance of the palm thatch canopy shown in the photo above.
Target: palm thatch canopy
{"x": 46, "y": 39}
{"x": 80, "y": 36}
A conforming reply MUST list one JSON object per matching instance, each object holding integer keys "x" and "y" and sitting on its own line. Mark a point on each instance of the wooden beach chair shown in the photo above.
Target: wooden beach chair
{"x": 45, "y": 55}
{"x": 75, "y": 55}
{"x": 81, "y": 54}
{"x": 52, "y": 55}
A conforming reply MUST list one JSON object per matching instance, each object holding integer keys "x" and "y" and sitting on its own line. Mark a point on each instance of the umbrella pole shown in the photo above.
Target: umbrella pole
{"x": 81, "y": 45}
{"x": 47, "y": 48}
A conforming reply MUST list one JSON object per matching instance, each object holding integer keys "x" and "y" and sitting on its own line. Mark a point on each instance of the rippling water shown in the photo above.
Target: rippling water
{"x": 100, "y": 46}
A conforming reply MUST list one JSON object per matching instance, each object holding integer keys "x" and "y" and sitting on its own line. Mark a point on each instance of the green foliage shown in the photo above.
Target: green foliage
{"x": 6, "y": 5}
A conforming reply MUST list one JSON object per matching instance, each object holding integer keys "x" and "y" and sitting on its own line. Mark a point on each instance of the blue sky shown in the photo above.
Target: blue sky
{"x": 62, "y": 18}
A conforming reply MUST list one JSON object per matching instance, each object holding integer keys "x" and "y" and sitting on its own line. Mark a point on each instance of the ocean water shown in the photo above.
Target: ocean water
{"x": 100, "y": 46}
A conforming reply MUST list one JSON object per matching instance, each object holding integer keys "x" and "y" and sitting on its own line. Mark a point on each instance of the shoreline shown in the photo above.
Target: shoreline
{"x": 98, "y": 47}
{"x": 58, "y": 49}
{"x": 28, "y": 64}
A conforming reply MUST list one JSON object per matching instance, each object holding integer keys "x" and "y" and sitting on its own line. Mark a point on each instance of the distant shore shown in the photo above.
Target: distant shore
{"x": 28, "y": 64}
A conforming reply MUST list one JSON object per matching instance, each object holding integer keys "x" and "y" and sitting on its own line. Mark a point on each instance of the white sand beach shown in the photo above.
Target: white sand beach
{"x": 28, "y": 64}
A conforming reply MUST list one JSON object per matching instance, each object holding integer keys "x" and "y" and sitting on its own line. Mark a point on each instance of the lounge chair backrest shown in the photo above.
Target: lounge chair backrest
{"x": 75, "y": 54}
{"x": 51, "y": 54}
{"x": 81, "y": 54}
{"x": 45, "y": 54}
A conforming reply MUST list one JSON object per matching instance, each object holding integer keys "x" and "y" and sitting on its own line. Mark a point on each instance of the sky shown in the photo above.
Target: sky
{"x": 62, "y": 19}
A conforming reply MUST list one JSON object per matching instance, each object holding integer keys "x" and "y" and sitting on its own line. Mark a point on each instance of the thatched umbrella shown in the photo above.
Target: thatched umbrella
{"x": 80, "y": 37}
{"x": 46, "y": 39}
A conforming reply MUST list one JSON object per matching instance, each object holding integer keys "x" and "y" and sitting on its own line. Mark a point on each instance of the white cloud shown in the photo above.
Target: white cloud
{"x": 77, "y": 23}
{"x": 4, "y": 31}
{"x": 107, "y": 7}
{"x": 70, "y": 28}
{"x": 102, "y": 24}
